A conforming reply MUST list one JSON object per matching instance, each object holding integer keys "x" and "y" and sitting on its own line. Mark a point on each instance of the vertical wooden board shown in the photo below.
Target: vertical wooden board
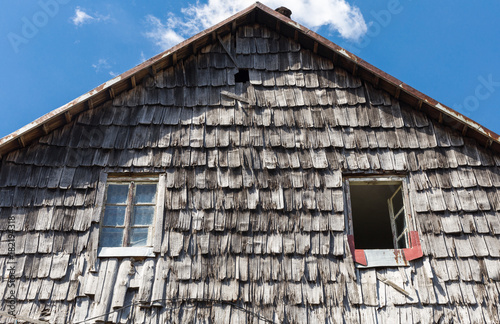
{"x": 45, "y": 266}
{"x": 493, "y": 244}
{"x": 31, "y": 244}
{"x": 468, "y": 293}
{"x": 393, "y": 296}
{"x": 451, "y": 223}
{"x": 59, "y": 265}
{"x": 45, "y": 289}
{"x": 354, "y": 292}
{"x": 367, "y": 314}
{"x": 368, "y": 280}
{"x": 146, "y": 283}
{"x": 478, "y": 245}
{"x": 101, "y": 188}
{"x": 481, "y": 198}
{"x": 92, "y": 246}
{"x": 476, "y": 315}
{"x": 122, "y": 283}
{"x": 454, "y": 293}
{"x": 436, "y": 200}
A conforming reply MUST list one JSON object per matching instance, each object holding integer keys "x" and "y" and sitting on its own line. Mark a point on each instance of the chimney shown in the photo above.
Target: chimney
{"x": 284, "y": 11}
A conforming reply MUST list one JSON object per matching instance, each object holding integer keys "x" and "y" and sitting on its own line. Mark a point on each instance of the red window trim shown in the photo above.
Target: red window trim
{"x": 411, "y": 253}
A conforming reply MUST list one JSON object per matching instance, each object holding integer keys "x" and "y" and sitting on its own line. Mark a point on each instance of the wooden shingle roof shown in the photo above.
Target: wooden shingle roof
{"x": 257, "y": 13}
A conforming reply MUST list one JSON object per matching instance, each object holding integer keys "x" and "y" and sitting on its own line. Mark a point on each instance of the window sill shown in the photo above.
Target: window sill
{"x": 383, "y": 258}
{"x": 387, "y": 257}
{"x": 119, "y": 252}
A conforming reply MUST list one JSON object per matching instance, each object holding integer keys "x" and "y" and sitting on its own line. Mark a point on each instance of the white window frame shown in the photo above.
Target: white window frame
{"x": 383, "y": 257}
{"x": 156, "y": 228}
{"x": 394, "y": 215}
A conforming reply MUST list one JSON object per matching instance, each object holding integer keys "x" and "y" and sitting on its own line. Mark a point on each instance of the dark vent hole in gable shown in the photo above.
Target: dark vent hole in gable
{"x": 242, "y": 76}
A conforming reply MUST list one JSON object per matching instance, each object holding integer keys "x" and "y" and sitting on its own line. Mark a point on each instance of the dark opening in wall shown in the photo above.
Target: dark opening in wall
{"x": 242, "y": 76}
{"x": 378, "y": 215}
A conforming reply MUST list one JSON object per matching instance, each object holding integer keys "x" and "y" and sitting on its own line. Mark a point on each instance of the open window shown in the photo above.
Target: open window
{"x": 381, "y": 229}
{"x": 130, "y": 215}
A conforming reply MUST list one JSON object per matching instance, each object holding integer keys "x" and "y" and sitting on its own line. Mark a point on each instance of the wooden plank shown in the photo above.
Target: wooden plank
{"x": 101, "y": 189}
{"x": 234, "y": 96}
{"x": 369, "y": 287}
{"x": 146, "y": 281}
{"x": 398, "y": 295}
{"x": 59, "y": 265}
{"x": 93, "y": 246}
{"x": 108, "y": 280}
{"x": 46, "y": 289}
{"x": 159, "y": 217}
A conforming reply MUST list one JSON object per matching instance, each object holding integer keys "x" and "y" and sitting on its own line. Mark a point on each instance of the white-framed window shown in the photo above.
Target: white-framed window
{"x": 132, "y": 215}
{"x": 381, "y": 229}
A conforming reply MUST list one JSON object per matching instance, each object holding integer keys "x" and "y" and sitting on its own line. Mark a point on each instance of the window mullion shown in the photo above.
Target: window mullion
{"x": 128, "y": 214}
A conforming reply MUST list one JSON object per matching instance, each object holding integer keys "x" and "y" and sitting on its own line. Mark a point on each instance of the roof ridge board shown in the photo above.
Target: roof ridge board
{"x": 329, "y": 45}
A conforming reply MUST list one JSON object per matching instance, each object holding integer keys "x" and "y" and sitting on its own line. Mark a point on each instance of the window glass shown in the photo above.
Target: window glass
{"x": 145, "y": 193}
{"x": 138, "y": 236}
{"x": 114, "y": 215}
{"x": 402, "y": 242}
{"x": 397, "y": 202}
{"x": 128, "y": 212}
{"x": 143, "y": 215}
{"x": 117, "y": 194}
{"x": 112, "y": 236}
{"x": 400, "y": 224}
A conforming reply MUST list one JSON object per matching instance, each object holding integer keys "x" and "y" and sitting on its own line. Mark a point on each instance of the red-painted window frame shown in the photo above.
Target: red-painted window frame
{"x": 409, "y": 254}
{"x": 414, "y": 249}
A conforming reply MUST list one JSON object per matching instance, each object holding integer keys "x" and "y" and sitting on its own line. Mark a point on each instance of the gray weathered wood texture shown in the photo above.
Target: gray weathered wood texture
{"x": 254, "y": 224}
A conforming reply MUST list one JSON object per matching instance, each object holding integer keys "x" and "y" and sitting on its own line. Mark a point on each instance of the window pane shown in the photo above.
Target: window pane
{"x": 139, "y": 236}
{"x": 402, "y": 243}
{"x": 111, "y": 236}
{"x": 117, "y": 194}
{"x": 400, "y": 224}
{"x": 145, "y": 193}
{"x": 114, "y": 215}
{"x": 397, "y": 202}
{"x": 143, "y": 215}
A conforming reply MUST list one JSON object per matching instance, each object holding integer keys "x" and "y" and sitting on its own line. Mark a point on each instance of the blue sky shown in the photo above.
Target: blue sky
{"x": 53, "y": 51}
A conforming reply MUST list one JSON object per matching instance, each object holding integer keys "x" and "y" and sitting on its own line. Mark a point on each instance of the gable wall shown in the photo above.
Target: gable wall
{"x": 254, "y": 201}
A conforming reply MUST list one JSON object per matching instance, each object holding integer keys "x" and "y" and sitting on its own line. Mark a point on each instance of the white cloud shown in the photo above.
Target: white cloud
{"x": 165, "y": 35}
{"x": 143, "y": 58}
{"x": 338, "y": 15}
{"x": 101, "y": 65}
{"x": 81, "y": 17}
